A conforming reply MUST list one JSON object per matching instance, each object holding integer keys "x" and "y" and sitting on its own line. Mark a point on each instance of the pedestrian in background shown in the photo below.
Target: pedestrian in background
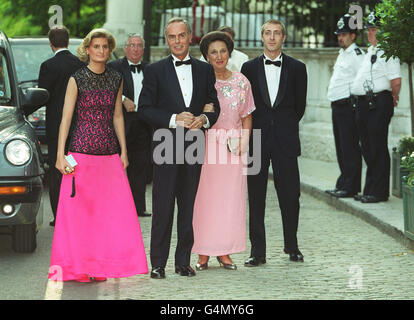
{"x": 220, "y": 207}
{"x": 138, "y": 133}
{"x": 54, "y": 76}
{"x": 348, "y": 152}
{"x": 376, "y": 90}
{"x": 97, "y": 232}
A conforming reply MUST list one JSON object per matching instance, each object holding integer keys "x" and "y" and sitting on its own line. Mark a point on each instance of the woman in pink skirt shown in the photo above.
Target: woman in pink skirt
{"x": 97, "y": 233}
{"x": 219, "y": 219}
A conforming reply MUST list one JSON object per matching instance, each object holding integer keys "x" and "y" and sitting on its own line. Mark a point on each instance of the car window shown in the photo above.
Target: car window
{"x": 5, "y": 89}
{"x": 29, "y": 56}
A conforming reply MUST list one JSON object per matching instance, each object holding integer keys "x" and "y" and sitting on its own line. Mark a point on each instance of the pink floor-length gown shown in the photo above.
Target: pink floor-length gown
{"x": 219, "y": 219}
{"x": 97, "y": 232}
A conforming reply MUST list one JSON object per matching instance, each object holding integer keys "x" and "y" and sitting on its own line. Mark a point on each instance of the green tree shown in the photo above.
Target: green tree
{"x": 80, "y": 16}
{"x": 396, "y": 36}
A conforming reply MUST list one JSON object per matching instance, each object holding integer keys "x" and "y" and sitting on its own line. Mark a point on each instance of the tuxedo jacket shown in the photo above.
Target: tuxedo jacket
{"x": 161, "y": 95}
{"x": 54, "y": 76}
{"x": 143, "y": 130}
{"x": 282, "y": 118}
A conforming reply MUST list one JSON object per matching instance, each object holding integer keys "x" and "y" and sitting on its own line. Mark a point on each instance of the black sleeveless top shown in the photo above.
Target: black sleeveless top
{"x": 94, "y": 131}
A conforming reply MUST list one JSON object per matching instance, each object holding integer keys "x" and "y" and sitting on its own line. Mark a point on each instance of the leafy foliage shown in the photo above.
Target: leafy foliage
{"x": 80, "y": 16}
{"x": 406, "y": 145}
{"x": 396, "y": 34}
{"x": 407, "y": 162}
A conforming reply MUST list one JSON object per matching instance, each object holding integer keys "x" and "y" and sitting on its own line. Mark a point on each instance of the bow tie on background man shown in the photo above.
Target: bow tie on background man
{"x": 135, "y": 67}
{"x": 180, "y": 63}
{"x": 277, "y": 63}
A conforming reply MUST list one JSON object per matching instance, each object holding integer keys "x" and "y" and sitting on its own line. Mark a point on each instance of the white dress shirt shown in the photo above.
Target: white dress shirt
{"x": 272, "y": 77}
{"x": 185, "y": 79}
{"x": 345, "y": 70}
{"x": 60, "y": 50}
{"x": 378, "y": 74}
{"x": 137, "y": 79}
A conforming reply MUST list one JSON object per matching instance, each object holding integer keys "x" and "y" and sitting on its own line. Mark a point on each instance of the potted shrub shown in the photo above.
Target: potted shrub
{"x": 407, "y": 162}
{"x": 405, "y": 148}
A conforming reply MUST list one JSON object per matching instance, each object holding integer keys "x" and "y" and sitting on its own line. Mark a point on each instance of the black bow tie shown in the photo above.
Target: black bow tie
{"x": 180, "y": 63}
{"x": 135, "y": 67}
{"x": 277, "y": 63}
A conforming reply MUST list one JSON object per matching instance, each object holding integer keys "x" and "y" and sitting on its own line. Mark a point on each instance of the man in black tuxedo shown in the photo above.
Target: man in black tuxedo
{"x": 174, "y": 94}
{"x": 279, "y": 85}
{"x": 54, "y": 76}
{"x": 138, "y": 133}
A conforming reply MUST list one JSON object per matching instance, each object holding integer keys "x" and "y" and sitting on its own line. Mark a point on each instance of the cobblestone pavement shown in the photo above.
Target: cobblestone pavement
{"x": 345, "y": 258}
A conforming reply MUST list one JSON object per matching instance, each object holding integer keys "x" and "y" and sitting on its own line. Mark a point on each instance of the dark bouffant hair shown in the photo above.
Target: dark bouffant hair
{"x": 215, "y": 36}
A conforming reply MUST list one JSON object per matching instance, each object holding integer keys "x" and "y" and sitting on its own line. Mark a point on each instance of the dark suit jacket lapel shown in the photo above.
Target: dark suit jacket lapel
{"x": 262, "y": 81}
{"x": 283, "y": 80}
{"x": 128, "y": 78}
{"x": 194, "y": 72}
{"x": 172, "y": 80}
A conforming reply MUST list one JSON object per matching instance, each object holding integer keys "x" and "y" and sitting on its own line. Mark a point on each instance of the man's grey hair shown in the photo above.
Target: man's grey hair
{"x": 177, "y": 19}
{"x": 134, "y": 35}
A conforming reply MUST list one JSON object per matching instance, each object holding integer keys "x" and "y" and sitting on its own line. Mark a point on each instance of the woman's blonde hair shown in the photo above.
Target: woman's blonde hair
{"x": 96, "y": 33}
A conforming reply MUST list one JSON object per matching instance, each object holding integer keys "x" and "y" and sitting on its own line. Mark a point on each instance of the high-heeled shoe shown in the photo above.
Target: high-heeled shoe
{"x": 83, "y": 278}
{"x": 202, "y": 266}
{"x": 228, "y": 266}
{"x": 99, "y": 279}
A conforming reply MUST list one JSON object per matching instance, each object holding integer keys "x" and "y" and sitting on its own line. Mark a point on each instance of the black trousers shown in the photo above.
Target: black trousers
{"x": 139, "y": 158}
{"x": 373, "y": 129}
{"x": 55, "y": 177}
{"x": 171, "y": 182}
{"x": 287, "y": 184}
{"x": 348, "y": 151}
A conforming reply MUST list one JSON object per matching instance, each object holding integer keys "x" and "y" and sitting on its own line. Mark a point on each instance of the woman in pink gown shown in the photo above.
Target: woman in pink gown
{"x": 97, "y": 233}
{"x": 219, "y": 220}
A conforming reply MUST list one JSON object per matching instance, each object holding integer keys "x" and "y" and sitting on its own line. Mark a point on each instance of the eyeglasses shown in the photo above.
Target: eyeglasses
{"x": 134, "y": 46}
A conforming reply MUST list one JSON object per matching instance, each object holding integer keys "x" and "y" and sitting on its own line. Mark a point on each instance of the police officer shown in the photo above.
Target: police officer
{"x": 345, "y": 130}
{"x": 375, "y": 90}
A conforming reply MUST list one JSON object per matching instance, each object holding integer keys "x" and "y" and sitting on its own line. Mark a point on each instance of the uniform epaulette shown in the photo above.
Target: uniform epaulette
{"x": 358, "y": 51}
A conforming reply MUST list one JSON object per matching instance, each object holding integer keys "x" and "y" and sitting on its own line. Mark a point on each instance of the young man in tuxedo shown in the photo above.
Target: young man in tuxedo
{"x": 174, "y": 94}
{"x": 138, "y": 133}
{"x": 279, "y": 85}
{"x": 54, "y": 76}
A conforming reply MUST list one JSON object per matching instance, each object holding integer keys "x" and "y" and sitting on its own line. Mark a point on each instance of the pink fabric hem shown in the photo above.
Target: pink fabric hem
{"x": 217, "y": 253}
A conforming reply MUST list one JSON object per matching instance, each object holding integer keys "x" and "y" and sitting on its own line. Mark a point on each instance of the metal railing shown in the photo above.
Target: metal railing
{"x": 309, "y": 23}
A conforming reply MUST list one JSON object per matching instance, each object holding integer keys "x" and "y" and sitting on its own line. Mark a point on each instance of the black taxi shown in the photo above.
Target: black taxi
{"x": 21, "y": 166}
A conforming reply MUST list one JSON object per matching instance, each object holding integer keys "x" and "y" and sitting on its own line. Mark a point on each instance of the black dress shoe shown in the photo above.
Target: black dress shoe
{"x": 343, "y": 194}
{"x": 294, "y": 255}
{"x": 358, "y": 197}
{"x": 372, "y": 199}
{"x": 52, "y": 223}
{"x": 254, "y": 261}
{"x": 158, "y": 273}
{"x": 185, "y": 271}
{"x": 144, "y": 214}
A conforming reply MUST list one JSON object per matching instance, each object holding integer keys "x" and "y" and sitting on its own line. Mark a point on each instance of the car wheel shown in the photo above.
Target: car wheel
{"x": 24, "y": 238}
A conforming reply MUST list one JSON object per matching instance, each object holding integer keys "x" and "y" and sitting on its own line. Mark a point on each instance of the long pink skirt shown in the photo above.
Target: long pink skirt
{"x": 97, "y": 231}
{"x": 219, "y": 218}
